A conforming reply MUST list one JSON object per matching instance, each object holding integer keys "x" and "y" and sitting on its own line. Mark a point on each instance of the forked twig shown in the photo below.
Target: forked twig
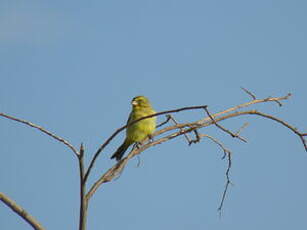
{"x": 185, "y": 134}
{"x": 222, "y": 128}
{"x": 253, "y": 102}
{"x": 228, "y": 181}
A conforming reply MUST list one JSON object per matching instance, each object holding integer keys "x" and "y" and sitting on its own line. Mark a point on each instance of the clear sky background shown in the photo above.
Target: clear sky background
{"x": 74, "y": 66}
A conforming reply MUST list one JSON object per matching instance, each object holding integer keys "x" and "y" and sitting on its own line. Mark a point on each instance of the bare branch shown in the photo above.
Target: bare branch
{"x": 60, "y": 139}
{"x": 257, "y": 101}
{"x": 189, "y": 127}
{"x": 21, "y": 212}
{"x": 177, "y": 130}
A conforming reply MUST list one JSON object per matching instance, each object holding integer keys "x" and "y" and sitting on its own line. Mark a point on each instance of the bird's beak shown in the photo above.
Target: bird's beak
{"x": 134, "y": 103}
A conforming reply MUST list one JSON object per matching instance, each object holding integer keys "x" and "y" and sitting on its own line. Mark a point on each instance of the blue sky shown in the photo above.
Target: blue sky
{"x": 73, "y": 67}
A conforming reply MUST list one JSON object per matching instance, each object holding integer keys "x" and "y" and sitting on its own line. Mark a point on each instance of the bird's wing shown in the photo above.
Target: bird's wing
{"x": 129, "y": 118}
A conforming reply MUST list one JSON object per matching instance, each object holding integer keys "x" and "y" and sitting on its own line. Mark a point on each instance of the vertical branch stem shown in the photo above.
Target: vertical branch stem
{"x": 83, "y": 201}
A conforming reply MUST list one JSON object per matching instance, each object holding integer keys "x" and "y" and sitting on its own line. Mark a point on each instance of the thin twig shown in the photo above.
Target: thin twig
{"x": 249, "y": 93}
{"x": 60, "y": 139}
{"x": 21, "y": 212}
{"x": 228, "y": 182}
{"x": 279, "y": 103}
{"x": 293, "y": 129}
{"x": 164, "y": 122}
{"x": 241, "y": 128}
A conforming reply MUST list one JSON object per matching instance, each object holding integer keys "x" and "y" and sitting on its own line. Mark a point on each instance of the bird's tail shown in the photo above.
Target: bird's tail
{"x": 120, "y": 151}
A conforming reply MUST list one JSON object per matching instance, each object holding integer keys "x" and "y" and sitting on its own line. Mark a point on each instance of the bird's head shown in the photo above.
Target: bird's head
{"x": 140, "y": 102}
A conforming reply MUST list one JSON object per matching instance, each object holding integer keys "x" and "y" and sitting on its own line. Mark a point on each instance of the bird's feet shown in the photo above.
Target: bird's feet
{"x": 151, "y": 139}
{"x": 137, "y": 145}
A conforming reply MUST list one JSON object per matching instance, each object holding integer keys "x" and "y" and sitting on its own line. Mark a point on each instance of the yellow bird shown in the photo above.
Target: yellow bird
{"x": 141, "y": 130}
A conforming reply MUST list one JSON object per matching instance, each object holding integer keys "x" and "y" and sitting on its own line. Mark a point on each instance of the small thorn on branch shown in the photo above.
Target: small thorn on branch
{"x": 276, "y": 101}
{"x": 279, "y": 103}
